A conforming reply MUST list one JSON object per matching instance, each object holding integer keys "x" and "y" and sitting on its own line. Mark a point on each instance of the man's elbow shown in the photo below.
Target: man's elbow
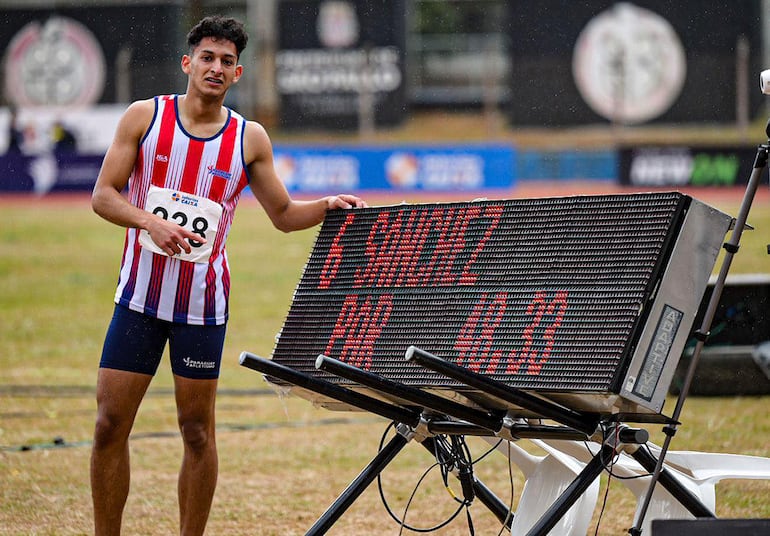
{"x": 281, "y": 219}
{"x": 100, "y": 201}
{"x": 96, "y": 201}
{"x": 283, "y": 226}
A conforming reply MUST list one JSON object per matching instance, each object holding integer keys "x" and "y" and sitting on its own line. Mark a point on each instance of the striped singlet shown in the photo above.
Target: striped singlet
{"x": 186, "y": 168}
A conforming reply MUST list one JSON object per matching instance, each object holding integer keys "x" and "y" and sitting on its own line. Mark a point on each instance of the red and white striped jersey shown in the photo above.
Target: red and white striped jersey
{"x": 187, "y": 168}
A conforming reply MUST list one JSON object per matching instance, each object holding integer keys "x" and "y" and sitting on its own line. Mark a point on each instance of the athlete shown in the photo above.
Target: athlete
{"x": 185, "y": 159}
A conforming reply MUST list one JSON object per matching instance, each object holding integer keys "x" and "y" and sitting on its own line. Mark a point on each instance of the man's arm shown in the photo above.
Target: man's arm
{"x": 286, "y": 213}
{"x": 107, "y": 199}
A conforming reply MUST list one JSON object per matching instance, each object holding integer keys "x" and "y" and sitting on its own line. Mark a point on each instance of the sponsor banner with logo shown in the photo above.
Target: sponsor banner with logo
{"x": 49, "y": 172}
{"x": 632, "y": 62}
{"x": 339, "y": 60}
{"x": 407, "y": 168}
{"x": 652, "y": 166}
{"x": 73, "y": 56}
{"x": 305, "y": 169}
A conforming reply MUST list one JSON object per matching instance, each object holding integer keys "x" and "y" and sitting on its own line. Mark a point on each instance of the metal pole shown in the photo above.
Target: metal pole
{"x": 336, "y": 392}
{"x": 567, "y": 499}
{"x": 498, "y": 508}
{"x": 731, "y": 248}
{"x": 355, "y": 488}
{"x": 685, "y": 497}
{"x": 742, "y": 85}
{"x": 411, "y": 394}
{"x": 586, "y": 423}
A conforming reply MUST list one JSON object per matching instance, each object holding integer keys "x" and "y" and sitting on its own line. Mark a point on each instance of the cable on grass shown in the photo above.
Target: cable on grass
{"x": 440, "y": 461}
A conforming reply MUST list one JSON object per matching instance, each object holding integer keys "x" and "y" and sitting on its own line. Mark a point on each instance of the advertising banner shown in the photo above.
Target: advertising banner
{"x": 406, "y": 168}
{"x": 49, "y": 172}
{"x": 633, "y": 62}
{"x": 339, "y": 60}
{"x": 652, "y": 166}
{"x": 305, "y": 169}
{"x": 79, "y": 56}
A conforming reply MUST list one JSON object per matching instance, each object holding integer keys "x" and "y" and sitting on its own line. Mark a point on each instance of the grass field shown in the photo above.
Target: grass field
{"x": 282, "y": 461}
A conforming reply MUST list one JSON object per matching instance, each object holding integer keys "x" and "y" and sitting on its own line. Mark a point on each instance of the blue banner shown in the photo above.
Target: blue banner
{"x": 400, "y": 168}
{"x": 307, "y": 169}
{"x": 48, "y": 172}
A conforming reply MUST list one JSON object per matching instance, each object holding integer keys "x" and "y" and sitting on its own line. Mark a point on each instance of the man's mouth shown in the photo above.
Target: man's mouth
{"x": 214, "y": 81}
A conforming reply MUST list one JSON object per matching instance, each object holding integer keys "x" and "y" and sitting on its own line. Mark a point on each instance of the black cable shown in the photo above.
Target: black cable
{"x": 609, "y": 481}
{"x": 490, "y": 450}
{"x": 608, "y": 468}
{"x": 402, "y": 522}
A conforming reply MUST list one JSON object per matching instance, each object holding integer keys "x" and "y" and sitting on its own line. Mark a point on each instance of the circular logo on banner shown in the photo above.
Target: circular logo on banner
{"x": 337, "y": 24}
{"x": 59, "y": 63}
{"x": 402, "y": 169}
{"x": 629, "y": 64}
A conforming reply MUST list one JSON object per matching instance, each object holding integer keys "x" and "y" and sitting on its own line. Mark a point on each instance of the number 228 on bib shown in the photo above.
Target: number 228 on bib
{"x": 196, "y": 214}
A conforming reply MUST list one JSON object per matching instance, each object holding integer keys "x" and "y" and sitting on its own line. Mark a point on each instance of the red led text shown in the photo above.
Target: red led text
{"x": 418, "y": 248}
{"x": 476, "y": 340}
{"x": 357, "y": 329}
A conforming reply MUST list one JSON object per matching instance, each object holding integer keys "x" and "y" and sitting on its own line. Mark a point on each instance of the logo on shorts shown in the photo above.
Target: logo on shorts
{"x": 191, "y": 363}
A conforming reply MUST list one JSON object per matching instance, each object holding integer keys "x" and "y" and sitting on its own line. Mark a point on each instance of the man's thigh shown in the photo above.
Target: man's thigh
{"x": 134, "y": 342}
{"x": 196, "y": 351}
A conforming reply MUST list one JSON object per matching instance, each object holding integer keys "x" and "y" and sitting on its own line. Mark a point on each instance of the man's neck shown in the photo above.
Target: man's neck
{"x": 200, "y": 108}
{"x": 200, "y": 116}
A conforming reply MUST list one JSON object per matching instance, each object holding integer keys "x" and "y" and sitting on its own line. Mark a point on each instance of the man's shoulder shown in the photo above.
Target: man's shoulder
{"x": 142, "y": 106}
{"x": 138, "y": 116}
{"x": 256, "y": 142}
{"x": 255, "y": 129}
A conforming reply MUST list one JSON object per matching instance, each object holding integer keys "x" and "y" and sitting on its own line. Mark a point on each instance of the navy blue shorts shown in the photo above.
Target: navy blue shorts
{"x": 135, "y": 342}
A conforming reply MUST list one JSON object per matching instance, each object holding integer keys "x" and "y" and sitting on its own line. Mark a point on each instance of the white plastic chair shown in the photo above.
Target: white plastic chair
{"x": 546, "y": 477}
{"x": 699, "y": 472}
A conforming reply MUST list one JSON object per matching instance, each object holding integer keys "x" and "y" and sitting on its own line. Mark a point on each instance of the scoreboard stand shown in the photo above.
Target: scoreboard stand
{"x": 425, "y": 416}
{"x": 486, "y": 318}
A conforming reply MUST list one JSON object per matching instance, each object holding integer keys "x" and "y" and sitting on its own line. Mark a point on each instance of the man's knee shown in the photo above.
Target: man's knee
{"x": 110, "y": 430}
{"x": 196, "y": 434}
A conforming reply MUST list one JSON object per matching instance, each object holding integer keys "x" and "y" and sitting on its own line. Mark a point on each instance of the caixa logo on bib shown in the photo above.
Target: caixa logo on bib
{"x": 58, "y": 62}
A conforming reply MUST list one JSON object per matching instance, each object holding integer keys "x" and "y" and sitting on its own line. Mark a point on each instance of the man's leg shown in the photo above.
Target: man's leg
{"x": 195, "y": 400}
{"x": 118, "y": 395}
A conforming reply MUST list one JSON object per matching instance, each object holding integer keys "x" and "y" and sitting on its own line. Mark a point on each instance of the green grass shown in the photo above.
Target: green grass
{"x": 282, "y": 460}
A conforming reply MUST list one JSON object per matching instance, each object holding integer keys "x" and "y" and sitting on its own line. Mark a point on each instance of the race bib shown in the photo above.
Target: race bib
{"x": 197, "y": 214}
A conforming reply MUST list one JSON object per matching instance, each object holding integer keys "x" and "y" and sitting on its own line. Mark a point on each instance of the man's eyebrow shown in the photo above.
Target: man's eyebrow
{"x": 211, "y": 52}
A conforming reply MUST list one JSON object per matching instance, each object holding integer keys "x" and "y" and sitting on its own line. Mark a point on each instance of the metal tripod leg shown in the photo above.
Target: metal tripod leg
{"x": 377, "y": 465}
{"x": 357, "y": 487}
{"x": 731, "y": 248}
{"x": 672, "y": 485}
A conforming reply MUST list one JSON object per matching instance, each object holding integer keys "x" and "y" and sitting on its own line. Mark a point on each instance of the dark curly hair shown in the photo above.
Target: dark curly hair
{"x": 219, "y": 27}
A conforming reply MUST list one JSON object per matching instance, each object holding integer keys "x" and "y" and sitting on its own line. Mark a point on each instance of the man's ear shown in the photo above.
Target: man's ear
{"x": 238, "y": 73}
{"x": 186, "y": 64}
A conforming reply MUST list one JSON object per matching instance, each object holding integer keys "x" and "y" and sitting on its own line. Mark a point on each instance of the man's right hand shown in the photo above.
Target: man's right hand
{"x": 171, "y": 237}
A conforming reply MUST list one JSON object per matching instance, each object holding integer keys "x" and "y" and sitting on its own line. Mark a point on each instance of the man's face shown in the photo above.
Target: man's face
{"x": 213, "y": 66}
